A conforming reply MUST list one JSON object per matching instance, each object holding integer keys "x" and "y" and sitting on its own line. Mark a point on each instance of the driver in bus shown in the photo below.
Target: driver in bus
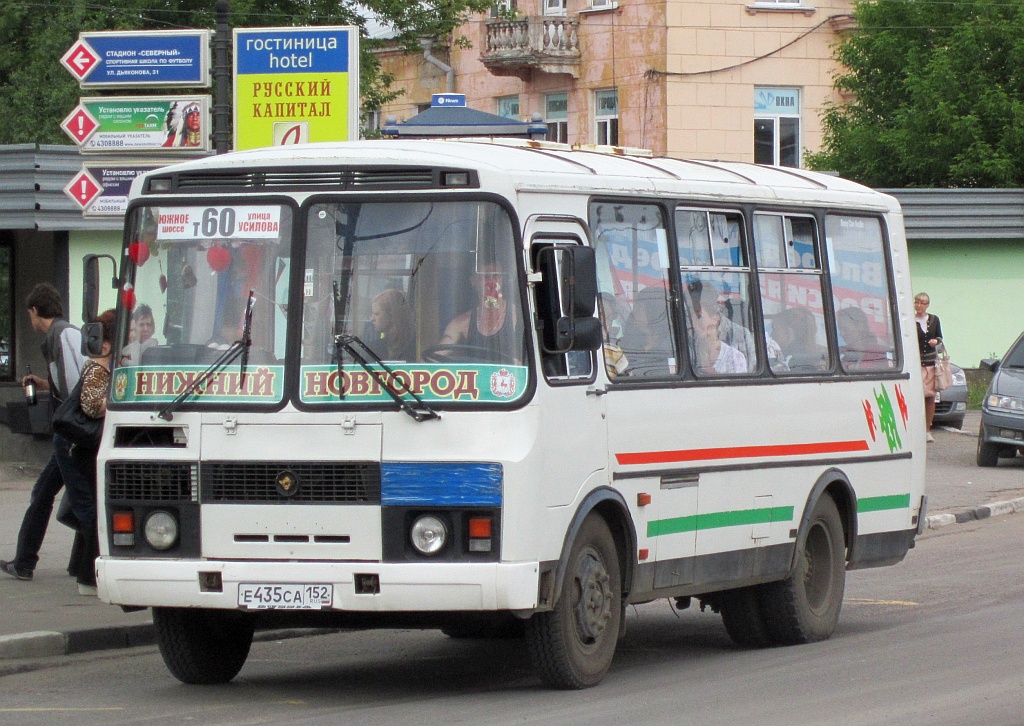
{"x": 140, "y": 336}
{"x": 489, "y": 326}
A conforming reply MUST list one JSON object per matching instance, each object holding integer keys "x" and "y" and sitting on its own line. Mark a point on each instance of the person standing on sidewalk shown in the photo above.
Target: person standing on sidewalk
{"x": 62, "y": 349}
{"x": 929, "y": 336}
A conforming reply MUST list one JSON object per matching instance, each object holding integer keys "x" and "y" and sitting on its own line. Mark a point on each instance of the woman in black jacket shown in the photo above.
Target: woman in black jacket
{"x": 929, "y": 337}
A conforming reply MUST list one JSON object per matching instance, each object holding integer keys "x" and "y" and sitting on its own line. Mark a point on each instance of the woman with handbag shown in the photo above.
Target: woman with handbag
{"x": 929, "y": 337}
{"x": 92, "y": 402}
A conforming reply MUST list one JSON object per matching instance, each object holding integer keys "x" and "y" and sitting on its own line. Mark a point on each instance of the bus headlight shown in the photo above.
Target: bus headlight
{"x": 161, "y": 530}
{"x": 428, "y": 534}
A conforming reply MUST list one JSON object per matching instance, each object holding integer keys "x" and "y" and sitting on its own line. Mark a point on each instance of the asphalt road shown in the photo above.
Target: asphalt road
{"x": 938, "y": 639}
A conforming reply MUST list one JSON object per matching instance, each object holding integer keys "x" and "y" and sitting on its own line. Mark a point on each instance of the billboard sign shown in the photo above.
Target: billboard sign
{"x": 141, "y": 123}
{"x": 115, "y": 59}
{"x": 101, "y": 189}
{"x": 295, "y": 85}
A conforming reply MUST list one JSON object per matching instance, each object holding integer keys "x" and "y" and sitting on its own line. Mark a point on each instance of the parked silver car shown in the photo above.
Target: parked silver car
{"x": 951, "y": 404}
{"x": 1002, "y": 412}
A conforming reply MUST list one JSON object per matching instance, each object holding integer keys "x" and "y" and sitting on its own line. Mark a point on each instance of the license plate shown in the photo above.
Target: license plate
{"x": 938, "y": 398}
{"x": 253, "y": 596}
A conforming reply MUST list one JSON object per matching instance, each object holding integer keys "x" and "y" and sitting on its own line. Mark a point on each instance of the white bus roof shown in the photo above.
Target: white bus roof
{"x": 542, "y": 166}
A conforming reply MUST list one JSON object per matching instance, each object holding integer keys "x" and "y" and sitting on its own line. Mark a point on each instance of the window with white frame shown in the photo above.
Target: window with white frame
{"x": 603, "y": 4}
{"x": 508, "y": 107}
{"x": 554, "y": 7}
{"x": 606, "y": 117}
{"x": 777, "y": 126}
{"x": 556, "y": 115}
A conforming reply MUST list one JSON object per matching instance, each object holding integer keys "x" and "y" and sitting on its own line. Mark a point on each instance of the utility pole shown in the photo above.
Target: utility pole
{"x": 222, "y": 79}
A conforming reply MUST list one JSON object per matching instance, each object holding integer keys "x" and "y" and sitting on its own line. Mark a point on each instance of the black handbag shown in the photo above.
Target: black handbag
{"x": 70, "y": 421}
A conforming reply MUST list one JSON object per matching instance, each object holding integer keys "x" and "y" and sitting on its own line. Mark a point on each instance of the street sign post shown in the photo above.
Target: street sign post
{"x": 117, "y": 59}
{"x": 294, "y": 85}
{"x": 141, "y": 123}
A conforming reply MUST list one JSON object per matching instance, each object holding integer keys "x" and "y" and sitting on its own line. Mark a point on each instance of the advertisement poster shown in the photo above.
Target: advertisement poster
{"x": 143, "y": 123}
{"x": 111, "y": 59}
{"x": 295, "y": 85}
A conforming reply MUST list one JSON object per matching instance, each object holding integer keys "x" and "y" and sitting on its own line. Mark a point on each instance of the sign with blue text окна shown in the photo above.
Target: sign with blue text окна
{"x": 295, "y": 85}
{"x": 140, "y": 58}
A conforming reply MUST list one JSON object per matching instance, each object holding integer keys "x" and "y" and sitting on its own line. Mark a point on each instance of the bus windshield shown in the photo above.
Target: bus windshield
{"x": 190, "y": 273}
{"x": 428, "y": 287}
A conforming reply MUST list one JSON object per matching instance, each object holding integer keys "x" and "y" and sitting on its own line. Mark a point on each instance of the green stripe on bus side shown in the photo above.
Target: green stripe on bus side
{"x": 880, "y": 504}
{"x": 714, "y": 520}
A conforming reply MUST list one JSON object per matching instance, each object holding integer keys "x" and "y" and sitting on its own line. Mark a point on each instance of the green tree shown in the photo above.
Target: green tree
{"x": 938, "y": 91}
{"x": 36, "y": 92}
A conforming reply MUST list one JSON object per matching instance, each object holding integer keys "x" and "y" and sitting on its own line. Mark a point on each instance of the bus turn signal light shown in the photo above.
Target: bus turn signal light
{"x": 480, "y": 529}
{"x": 123, "y": 526}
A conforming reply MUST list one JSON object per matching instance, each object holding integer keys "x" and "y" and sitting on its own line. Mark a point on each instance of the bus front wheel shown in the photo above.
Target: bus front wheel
{"x": 804, "y": 607}
{"x": 572, "y": 645}
{"x": 203, "y": 647}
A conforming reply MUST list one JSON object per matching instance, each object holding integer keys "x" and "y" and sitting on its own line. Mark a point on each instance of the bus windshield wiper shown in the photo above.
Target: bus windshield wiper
{"x": 363, "y": 355}
{"x": 236, "y": 349}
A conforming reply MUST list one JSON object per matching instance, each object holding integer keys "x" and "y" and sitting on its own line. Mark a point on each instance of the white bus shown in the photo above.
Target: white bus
{"x": 499, "y": 386}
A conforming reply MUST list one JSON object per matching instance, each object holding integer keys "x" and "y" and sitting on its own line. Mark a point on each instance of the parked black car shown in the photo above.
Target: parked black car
{"x": 951, "y": 404}
{"x": 1002, "y": 412}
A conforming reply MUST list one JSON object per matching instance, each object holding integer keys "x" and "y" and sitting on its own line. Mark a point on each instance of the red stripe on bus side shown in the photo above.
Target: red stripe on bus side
{"x": 740, "y": 452}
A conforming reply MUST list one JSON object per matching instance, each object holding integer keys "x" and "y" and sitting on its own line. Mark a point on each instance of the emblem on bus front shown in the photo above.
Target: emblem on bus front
{"x": 287, "y": 483}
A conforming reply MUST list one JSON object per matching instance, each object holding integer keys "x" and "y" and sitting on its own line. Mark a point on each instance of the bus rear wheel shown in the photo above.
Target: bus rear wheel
{"x": 804, "y": 607}
{"x": 203, "y": 647}
{"x": 572, "y": 646}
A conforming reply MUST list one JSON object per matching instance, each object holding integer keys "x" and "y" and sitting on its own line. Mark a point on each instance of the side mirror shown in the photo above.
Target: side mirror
{"x": 91, "y": 285}
{"x": 92, "y": 340}
{"x": 990, "y": 364}
{"x": 566, "y": 299}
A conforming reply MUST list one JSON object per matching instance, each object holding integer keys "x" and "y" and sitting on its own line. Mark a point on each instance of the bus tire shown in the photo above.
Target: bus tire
{"x": 572, "y": 646}
{"x": 203, "y": 647}
{"x": 742, "y": 617}
{"x": 804, "y": 607}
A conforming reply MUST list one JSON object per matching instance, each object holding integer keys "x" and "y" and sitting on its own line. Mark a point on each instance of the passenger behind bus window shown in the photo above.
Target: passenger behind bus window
{"x": 612, "y": 326}
{"x": 140, "y": 336}
{"x": 489, "y": 332}
{"x": 708, "y": 354}
{"x": 795, "y": 332}
{"x": 392, "y": 335}
{"x": 647, "y": 335}
{"x": 859, "y": 348}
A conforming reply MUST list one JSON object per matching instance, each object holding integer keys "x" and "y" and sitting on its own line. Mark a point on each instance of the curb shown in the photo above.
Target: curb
{"x": 974, "y": 514}
{"x": 48, "y": 644}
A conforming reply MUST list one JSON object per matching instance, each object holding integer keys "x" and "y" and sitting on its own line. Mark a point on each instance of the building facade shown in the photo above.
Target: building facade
{"x": 726, "y": 79}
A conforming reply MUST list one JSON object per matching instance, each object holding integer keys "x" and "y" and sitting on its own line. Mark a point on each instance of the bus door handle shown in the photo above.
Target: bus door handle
{"x": 596, "y": 391}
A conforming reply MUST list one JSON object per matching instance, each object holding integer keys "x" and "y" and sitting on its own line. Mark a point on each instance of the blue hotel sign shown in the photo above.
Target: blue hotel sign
{"x": 140, "y": 58}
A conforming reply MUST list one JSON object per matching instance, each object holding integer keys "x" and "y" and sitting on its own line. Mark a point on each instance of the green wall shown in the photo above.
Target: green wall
{"x": 976, "y": 288}
{"x": 97, "y": 243}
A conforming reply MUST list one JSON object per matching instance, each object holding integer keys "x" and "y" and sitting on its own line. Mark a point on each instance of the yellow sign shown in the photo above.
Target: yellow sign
{"x": 296, "y": 85}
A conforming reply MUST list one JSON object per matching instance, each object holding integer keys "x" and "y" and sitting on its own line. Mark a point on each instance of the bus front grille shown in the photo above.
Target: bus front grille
{"x": 270, "y": 482}
{"x": 152, "y": 481}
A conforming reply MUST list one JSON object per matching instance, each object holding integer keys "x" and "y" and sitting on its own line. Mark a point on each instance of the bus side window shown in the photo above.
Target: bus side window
{"x": 790, "y": 278}
{"x": 861, "y": 293}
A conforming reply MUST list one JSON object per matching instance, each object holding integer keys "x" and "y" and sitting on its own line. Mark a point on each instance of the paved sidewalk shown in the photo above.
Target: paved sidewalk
{"x": 47, "y": 616}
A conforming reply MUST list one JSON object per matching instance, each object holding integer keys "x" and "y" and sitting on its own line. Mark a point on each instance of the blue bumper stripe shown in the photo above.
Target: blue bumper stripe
{"x": 441, "y": 484}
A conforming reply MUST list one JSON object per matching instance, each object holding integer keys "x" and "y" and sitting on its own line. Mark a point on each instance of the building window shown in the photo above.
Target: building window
{"x": 606, "y": 116}
{"x": 6, "y": 310}
{"x": 777, "y": 126}
{"x": 508, "y": 107}
{"x": 421, "y": 107}
{"x": 556, "y": 114}
{"x": 371, "y": 123}
{"x": 603, "y": 4}
{"x": 503, "y": 8}
{"x": 554, "y": 7}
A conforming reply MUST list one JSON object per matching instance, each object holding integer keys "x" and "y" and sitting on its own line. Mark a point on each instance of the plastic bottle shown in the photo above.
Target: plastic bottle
{"x": 30, "y": 388}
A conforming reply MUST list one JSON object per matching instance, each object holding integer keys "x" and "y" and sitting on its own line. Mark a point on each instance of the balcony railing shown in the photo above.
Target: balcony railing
{"x": 538, "y": 43}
